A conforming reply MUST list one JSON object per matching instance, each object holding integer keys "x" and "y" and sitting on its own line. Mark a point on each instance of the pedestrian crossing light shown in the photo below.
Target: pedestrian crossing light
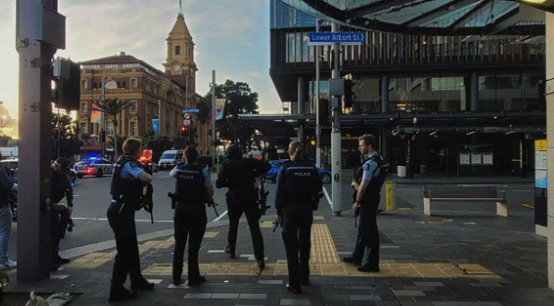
{"x": 184, "y": 131}
{"x": 313, "y": 142}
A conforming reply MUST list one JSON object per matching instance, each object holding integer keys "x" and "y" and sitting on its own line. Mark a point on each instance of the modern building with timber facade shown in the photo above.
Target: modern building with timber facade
{"x": 150, "y": 90}
{"x": 468, "y": 104}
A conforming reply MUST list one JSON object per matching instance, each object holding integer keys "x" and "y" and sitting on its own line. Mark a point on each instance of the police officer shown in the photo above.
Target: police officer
{"x": 366, "y": 201}
{"x": 193, "y": 190}
{"x": 297, "y": 195}
{"x": 128, "y": 182}
{"x": 239, "y": 175}
{"x": 7, "y": 184}
{"x": 60, "y": 187}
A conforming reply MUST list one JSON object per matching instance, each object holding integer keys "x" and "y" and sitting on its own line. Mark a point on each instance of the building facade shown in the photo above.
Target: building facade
{"x": 154, "y": 94}
{"x": 431, "y": 100}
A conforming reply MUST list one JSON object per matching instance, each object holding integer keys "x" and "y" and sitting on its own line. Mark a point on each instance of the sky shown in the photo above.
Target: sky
{"x": 231, "y": 36}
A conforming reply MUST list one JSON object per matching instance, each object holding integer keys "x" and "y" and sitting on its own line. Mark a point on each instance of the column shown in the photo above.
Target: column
{"x": 474, "y": 92}
{"x": 385, "y": 94}
{"x": 549, "y": 91}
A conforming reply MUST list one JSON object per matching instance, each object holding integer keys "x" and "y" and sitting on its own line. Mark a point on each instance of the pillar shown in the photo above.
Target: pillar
{"x": 474, "y": 92}
{"x": 549, "y": 91}
{"x": 384, "y": 95}
{"x": 301, "y": 98}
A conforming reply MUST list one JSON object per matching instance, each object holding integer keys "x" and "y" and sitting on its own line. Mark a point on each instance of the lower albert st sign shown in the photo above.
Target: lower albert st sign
{"x": 327, "y": 38}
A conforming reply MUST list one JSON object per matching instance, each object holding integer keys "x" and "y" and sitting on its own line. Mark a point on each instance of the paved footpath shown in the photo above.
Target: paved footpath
{"x": 462, "y": 257}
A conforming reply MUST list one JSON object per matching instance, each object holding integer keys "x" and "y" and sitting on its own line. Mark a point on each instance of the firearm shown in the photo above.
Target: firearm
{"x": 147, "y": 202}
{"x": 356, "y": 214}
{"x": 262, "y": 201}
{"x": 275, "y": 224}
{"x": 173, "y": 199}
{"x": 213, "y": 204}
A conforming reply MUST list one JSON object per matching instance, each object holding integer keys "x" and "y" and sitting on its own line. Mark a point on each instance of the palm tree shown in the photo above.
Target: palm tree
{"x": 111, "y": 108}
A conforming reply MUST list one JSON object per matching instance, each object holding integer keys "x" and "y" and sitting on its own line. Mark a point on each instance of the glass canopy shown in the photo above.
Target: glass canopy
{"x": 436, "y": 17}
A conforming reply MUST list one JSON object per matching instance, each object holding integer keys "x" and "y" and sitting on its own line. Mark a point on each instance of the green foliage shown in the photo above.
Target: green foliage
{"x": 204, "y": 107}
{"x": 111, "y": 108}
{"x": 69, "y": 143}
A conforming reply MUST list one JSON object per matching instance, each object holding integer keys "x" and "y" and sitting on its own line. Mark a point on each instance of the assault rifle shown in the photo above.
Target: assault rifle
{"x": 262, "y": 199}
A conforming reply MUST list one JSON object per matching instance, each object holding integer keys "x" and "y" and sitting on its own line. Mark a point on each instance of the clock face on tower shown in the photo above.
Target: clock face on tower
{"x": 176, "y": 68}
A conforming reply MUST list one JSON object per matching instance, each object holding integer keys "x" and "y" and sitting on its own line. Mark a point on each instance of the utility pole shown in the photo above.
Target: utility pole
{"x": 36, "y": 52}
{"x": 214, "y": 142}
{"x": 336, "y": 182}
{"x": 159, "y": 117}
{"x": 102, "y": 133}
{"x": 317, "y": 106}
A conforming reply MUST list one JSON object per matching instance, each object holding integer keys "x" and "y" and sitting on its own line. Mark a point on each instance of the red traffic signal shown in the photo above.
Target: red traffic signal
{"x": 184, "y": 131}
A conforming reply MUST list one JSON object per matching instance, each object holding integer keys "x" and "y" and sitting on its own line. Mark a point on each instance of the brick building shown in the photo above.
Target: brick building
{"x": 127, "y": 77}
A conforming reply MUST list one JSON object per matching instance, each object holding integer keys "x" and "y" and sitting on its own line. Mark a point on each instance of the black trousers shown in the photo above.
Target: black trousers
{"x": 127, "y": 260}
{"x": 368, "y": 233}
{"x": 296, "y": 234}
{"x": 55, "y": 234}
{"x": 253, "y": 215}
{"x": 191, "y": 227}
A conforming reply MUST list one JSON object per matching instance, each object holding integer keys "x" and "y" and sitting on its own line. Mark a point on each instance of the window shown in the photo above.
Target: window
{"x": 133, "y": 107}
{"x": 133, "y": 128}
{"x": 177, "y": 50}
{"x": 83, "y": 128}
{"x": 84, "y": 84}
{"x": 148, "y": 86}
{"x": 84, "y": 107}
{"x": 133, "y": 83}
{"x": 111, "y": 66}
{"x": 110, "y": 129}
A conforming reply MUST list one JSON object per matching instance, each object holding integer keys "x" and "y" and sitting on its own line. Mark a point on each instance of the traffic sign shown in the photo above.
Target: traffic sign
{"x": 327, "y": 38}
{"x": 191, "y": 110}
{"x": 186, "y": 122}
{"x": 186, "y": 116}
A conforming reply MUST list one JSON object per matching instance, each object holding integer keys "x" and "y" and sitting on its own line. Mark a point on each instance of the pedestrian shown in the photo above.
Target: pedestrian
{"x": 193, "y": 189}
{"x": 60, "y": 187}
{"x": 297, "y": 195}
{"x": 7, "y": 184}
{"x": 127, "y": 188}
{"x": 366, "y": 204}
{"x": 239, "y": 175}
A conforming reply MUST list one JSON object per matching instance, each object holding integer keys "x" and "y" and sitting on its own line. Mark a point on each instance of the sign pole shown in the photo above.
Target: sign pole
{"x": 336, "y": 168}
{"x": 214, "y": 141}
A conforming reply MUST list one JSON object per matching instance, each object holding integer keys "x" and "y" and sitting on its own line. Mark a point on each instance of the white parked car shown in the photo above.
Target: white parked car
{"x": 94, "y": 166}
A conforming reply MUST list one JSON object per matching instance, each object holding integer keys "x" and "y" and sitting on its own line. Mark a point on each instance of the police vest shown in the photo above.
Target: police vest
{"x": 301, "y": 180}
{"x": 377, "y": 181}
{"x": 189, "y": 186}
{"x": 126, "y": 189}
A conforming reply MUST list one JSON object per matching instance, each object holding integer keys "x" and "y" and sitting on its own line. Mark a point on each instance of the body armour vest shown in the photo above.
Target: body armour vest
{"x": 301, "y": 180}
{"x": 126, "y": 189}
{"x": 189, "y": 186}
{"x": 377, "y": 181}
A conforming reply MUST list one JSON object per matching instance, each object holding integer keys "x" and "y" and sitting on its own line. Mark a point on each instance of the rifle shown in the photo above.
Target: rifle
{"x": 173, "y": 199}
{"x": 148, "y": 203}
{"x": 213, "y": 204}
{"x": 262, "y": 200}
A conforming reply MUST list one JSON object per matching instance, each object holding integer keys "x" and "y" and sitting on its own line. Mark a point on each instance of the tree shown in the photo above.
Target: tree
{"x": 158, "y": 144}
{"x": 112, "y": 108}
{"x": 6, "y": 120}
{"x": 239, "y": 100}
{"x": 65, "y": 134}
{"x": 204, "y": 107}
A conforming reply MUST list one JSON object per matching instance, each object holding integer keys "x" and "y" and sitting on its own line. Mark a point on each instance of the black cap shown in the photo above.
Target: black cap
{"x": 63, "y": 162}
{"x": 234, "y": 152}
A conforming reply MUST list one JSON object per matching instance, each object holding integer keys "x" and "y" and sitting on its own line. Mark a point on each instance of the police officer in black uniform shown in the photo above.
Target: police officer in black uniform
{"x": 297, "y": 195}
{"x": 239, "y": 175}
{"x": 60, "y": 187}
{"x": 127, "y": 188}
{"x": 366, "y": 202}
{"x": 193, "y": 190}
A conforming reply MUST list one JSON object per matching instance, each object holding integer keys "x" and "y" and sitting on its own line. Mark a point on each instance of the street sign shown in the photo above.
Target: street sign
{"x": 328, "y": 38}
{"x": 191, "y": 110}
{"x": 186, "y": 122}
{"x": 186, "y": 116}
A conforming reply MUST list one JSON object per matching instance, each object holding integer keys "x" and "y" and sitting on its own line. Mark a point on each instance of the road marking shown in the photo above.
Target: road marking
{"x": 532, "y": 206}
{"x": 328, "y": 198}
{"x": 220, "y": 216}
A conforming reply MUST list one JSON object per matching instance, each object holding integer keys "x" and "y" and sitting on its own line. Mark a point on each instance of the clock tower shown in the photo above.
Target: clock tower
{"x": 179, "y": 64}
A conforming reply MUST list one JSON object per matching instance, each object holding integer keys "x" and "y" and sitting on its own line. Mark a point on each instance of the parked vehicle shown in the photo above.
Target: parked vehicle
{"x": 94, "y": 166}
{"x": 169, "y": 159}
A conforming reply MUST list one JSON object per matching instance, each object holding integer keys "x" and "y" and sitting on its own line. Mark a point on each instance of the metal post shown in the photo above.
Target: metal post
{"x": 336, "y": 136}
{"x": 103, "y": 130}
{"x": 214, "y": 142}
{"x": 160, "y": 117}
{"x": 317, "y": 110}
{"x": 35, "y": 133}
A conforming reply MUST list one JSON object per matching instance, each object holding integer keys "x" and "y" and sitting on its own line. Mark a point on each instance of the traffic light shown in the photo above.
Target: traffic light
{"x": 313, "y": 142}
{"x": 348, "y": 101}
{"x": 184, "y": 131}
